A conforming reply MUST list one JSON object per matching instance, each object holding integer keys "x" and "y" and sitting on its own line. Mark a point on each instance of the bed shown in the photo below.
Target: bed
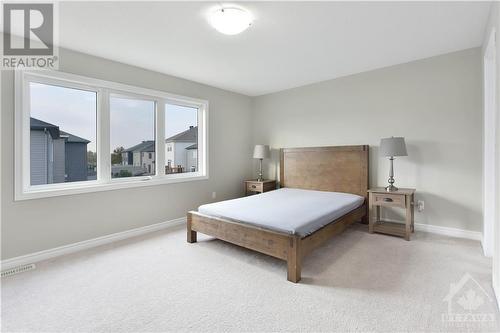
{"x": 323, "y": 190}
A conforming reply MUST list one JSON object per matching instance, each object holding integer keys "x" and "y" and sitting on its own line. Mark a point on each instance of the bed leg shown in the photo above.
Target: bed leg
{"x": 294, "y": 261}
{"x": 191, "y": 234}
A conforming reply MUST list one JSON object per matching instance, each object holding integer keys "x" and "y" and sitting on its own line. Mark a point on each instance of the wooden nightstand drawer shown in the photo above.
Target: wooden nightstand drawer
{"x": 254, "y": 187}
{"x": 383, "y": 199}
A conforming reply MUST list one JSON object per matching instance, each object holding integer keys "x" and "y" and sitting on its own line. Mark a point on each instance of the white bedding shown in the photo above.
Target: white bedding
{"x": 290, "y": 210}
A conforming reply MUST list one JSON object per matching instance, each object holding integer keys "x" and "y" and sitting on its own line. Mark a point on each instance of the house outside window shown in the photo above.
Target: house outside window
{"x": 182, "y": 142}
{"x": 62, "y": 149}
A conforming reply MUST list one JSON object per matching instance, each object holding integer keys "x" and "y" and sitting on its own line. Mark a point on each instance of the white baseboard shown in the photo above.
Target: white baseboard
{"x": 72, "y": 248}
{"x": 87, "y": 244}
{"x": 451, "y": 232}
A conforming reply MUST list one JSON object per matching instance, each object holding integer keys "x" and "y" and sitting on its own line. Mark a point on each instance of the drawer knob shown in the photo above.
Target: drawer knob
{"x": 253, "y": 186}
{"x": 387, "y": 199}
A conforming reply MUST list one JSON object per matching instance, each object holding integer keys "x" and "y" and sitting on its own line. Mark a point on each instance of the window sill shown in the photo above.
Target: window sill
{"x": 38, "y": 192}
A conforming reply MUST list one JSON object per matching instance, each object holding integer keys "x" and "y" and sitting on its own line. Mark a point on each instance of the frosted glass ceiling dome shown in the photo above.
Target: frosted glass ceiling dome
{"x": 230, "y": 20}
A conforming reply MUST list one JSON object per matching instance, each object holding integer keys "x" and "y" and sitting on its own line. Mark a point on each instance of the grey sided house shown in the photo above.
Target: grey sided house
{"x": 140, "y": 159}
{"x": 56, "y": 156}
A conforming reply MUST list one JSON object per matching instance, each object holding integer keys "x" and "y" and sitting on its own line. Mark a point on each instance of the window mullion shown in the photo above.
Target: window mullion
{"x": 103, "y": 137}
{"x": 160, "y": 138}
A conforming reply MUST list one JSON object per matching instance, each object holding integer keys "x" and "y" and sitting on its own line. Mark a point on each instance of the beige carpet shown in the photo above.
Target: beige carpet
{"x": 158, "y": 282}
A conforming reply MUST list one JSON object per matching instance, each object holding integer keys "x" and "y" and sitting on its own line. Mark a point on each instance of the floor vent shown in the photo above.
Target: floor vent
{"x": 18, "y": 269}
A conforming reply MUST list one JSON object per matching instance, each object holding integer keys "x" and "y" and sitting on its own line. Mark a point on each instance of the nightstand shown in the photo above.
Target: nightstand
{"x": 255, "y": 186}
{"x": 402, "y": 198}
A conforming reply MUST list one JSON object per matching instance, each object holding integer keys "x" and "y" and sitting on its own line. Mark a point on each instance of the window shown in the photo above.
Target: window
{"x": 76, "y": 134}
{"x": 62, "y": 131}
{"x": 181, "y": 137}
{"x": 132, "y": 137}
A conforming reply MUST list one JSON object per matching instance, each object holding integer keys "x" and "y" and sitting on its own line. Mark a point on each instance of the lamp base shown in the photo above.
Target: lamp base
{"x": 261, "y": 178}
{"x": 391, "y": 188}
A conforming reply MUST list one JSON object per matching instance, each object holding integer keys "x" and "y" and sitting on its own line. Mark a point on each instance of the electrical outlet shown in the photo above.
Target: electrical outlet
{"x": 420, "y": 205}
{"x": 214, "y": 195}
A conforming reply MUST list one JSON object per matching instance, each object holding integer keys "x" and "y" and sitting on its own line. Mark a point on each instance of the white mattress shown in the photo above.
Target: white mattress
{"x": 289, "y": 210}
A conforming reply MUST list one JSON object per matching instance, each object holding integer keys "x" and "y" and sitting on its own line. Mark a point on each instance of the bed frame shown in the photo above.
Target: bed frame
{"x": 337, "y": 168}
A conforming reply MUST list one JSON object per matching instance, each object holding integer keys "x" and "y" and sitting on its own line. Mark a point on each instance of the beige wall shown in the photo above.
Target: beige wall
{"x": 34, "y": 225}
{"x": 434, "y": 103}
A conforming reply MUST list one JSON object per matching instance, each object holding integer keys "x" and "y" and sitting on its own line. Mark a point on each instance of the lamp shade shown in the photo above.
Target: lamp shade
{"x": 393, "y": 147}
{"x": 261, "y": 151}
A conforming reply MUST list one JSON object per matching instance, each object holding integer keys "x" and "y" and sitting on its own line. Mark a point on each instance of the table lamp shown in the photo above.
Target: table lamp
{"x": 391, "y": 147}
{"x": 261, "y": 152}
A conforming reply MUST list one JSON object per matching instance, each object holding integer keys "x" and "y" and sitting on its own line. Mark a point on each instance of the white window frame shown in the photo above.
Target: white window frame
{"x": 23, "y": 188}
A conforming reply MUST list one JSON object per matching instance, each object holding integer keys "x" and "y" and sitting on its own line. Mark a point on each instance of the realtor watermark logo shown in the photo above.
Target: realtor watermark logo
{"x": 29, "y": 36}
{"x": 469, "y": 305}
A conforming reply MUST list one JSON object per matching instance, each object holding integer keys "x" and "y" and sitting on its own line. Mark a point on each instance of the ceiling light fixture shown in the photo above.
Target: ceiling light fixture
{"x": 230, "y": 20}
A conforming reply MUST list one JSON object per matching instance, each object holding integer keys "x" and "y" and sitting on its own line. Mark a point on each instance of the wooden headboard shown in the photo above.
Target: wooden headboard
{"x": 335, "y": 168}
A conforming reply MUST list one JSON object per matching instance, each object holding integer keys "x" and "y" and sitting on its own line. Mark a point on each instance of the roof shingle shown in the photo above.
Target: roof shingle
{"x": 190, "y": 135}
{"x": 144, "y": 146}
{"x": 55, "y": 132}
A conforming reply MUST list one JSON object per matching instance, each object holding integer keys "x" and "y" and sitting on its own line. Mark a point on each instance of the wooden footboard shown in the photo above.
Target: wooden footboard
{"x": 290, "y": 248}
{"x": 258, "y": 239}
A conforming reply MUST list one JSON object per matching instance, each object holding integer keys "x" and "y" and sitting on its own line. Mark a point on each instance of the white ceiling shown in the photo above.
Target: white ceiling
{"x": 289, "y": 44}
